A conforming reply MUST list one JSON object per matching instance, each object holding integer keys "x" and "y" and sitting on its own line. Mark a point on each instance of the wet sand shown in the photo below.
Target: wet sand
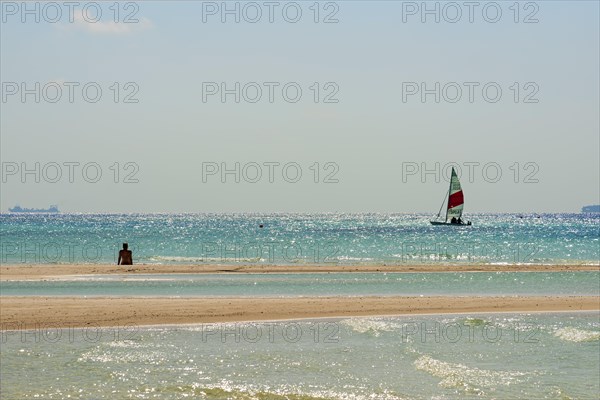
{"x": 42, "y": 312}
{"x": 41, "y": 271}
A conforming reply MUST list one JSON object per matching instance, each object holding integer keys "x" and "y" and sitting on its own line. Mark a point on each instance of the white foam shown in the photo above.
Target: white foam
{"x": 373, "y": 326}
{"x": 571, "y": 334}
{"x": 470, "y": 379}
{"x": 348, "y": 258}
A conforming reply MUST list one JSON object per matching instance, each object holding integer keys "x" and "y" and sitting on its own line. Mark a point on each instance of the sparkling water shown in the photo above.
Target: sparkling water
{"x": 479, "y": 356}
{"x": 300, "y": 239}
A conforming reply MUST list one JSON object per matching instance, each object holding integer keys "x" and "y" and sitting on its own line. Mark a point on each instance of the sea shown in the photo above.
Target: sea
{"x": 374, "y": 239}
{"x": 513, "y": 355}
{"x": 476, "y": 356}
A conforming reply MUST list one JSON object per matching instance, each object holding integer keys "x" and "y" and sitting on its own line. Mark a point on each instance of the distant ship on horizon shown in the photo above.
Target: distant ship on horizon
{"x": 18, "y": 209}
{"x": 591, "y": 209}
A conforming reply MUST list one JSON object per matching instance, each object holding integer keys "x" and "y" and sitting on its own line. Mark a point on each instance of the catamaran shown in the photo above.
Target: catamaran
{"x": 455, "y": 205}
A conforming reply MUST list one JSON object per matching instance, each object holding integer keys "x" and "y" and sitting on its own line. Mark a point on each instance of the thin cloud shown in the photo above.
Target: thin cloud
{"x": 107, "y": 27}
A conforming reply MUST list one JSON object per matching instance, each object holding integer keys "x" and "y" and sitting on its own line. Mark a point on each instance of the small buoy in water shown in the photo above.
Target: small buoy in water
{"x": 261, "y": 226}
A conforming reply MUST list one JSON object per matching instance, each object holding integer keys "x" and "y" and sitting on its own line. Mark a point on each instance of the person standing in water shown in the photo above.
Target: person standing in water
{"x": 125, "y": 256}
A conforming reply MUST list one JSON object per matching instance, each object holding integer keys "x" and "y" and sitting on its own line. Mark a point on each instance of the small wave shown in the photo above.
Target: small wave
{"x": 474, "y": 322}
{"x": 123, "y": 352}
{"x": 128, "y": 344}
{"x": 571, "y": 334}
{"x": 348, "y": 258}
{"x": 440, "y": 257}
{"x": 560, "y": 393}
{"x": 373, "y": 326}
{"x": 152, "y": 357}
{"x": 206, "y": 260}
{"x": 226, "y": 389}
{"x": 470, "y": 379}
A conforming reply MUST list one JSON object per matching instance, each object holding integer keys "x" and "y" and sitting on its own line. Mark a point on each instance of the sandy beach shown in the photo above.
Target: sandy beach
{"x": 31, "y": 312}
{"x": 48, "y": 271}
{"x": 38, "y": 312}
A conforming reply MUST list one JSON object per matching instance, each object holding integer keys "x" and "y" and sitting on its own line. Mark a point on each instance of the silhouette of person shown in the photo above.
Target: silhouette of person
{"x": 125, "y": 257}
{"x": 453, "y": 220}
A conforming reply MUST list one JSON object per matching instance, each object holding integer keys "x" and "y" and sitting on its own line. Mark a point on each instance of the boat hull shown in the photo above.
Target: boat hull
{"x": 447, "y": 223}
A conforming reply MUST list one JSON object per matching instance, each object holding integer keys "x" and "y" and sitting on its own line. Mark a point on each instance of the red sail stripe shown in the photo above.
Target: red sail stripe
{"x": 456, "y": 199}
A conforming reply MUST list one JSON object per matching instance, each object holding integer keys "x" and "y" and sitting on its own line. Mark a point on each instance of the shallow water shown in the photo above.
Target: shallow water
{"x": 483, "y": 356}
{"x": 324, "y": 284}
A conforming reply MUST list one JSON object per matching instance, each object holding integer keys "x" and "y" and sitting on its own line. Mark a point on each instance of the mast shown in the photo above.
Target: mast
{"x": 448, "y": 194}
{"x": 442, "y": 206}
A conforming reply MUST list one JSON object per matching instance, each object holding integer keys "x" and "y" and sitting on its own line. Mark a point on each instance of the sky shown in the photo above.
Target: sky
{"x": 348, "y": 106}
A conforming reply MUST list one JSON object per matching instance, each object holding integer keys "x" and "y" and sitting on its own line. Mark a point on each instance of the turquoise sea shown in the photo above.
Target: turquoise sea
{"x": 478, "y": 356}
{"x": 299, "y": 238}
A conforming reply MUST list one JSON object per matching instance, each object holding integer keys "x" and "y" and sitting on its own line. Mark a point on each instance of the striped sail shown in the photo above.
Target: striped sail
{"x": 455, "y": 199}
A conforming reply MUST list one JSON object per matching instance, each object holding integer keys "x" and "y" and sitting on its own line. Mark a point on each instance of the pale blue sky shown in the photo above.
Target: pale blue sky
{"x": 369, "y": 133}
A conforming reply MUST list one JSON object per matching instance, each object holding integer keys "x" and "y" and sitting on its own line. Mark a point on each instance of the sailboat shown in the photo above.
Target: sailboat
{"x": 456, "y": 201}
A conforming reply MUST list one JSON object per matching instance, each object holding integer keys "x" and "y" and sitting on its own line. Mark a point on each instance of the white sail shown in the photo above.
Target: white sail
{"x": 456, "y": 199}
